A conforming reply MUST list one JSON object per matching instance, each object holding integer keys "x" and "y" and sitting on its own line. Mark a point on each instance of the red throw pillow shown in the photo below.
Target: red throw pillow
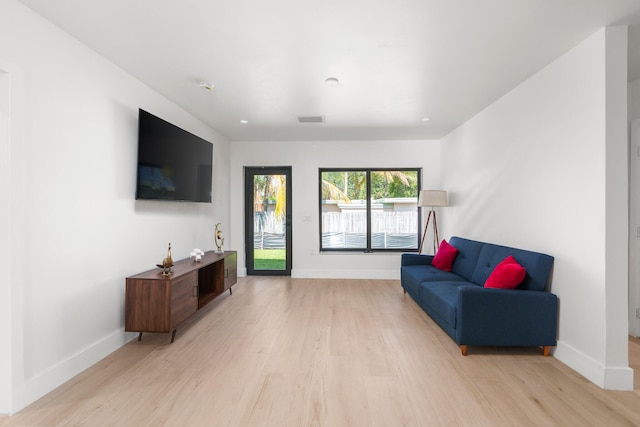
{"x": 506, "y": 275}
{"x": 445, "y": 256}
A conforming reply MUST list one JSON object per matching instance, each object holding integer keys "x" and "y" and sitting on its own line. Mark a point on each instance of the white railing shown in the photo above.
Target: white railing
{"x": 347, "y": 229}
{"x": 381, "y": 222}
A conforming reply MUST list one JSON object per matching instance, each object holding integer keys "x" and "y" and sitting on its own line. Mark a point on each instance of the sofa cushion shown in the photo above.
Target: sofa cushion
{"x": 507, "y": 275}
{"x": 468, "y": 252}
{"x": 413, "y": 275}
{"x": 442, "y": 298}
{"x": 445, "y": 256}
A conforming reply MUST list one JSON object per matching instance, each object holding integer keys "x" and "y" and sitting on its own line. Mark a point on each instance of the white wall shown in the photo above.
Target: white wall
{"x": 634, "y": 207}
{"x": 545, "y": 168}
{"x": 5, "y": 242}
{"x": 306, "y": 158}
{"x": 76, "y": 230}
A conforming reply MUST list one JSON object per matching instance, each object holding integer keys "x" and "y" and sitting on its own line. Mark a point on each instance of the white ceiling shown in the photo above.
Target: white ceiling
{"x": 397, "y": 61}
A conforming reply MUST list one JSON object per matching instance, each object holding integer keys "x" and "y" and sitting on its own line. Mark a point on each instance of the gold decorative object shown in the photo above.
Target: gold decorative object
{"x": 167, "y": 263}
{"x": 219, "y": 239}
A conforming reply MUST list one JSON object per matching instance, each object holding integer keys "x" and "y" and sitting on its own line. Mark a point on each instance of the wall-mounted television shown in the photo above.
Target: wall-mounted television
{"x": 173, "y": 164}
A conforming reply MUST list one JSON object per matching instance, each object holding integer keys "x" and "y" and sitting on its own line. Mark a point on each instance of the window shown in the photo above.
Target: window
{"x": 369, "y": 209}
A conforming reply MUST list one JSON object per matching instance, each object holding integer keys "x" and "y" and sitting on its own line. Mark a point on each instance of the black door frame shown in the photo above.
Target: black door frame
{"x": 249, "y": 173}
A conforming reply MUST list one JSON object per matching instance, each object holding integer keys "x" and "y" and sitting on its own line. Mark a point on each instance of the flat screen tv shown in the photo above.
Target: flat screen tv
{"x": 173, "y": 164}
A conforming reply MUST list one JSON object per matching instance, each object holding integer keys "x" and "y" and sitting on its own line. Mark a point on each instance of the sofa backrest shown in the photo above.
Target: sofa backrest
{"x": 467, "y": 258}
{"x": 538, "y": 265}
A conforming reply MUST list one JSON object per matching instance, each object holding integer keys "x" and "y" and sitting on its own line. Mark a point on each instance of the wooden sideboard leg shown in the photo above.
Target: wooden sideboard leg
{"x": 230, "y": 291}
{"x": 545, "y": 350}
{"x": 140, "y": 336}
{"x": 173, "y": 334}
{"x": 463, "y": 349}
{"x": 404, "y": 290}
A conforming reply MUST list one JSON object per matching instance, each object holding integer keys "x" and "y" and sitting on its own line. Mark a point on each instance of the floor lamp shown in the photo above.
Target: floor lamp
{"x": 432, "y": 198}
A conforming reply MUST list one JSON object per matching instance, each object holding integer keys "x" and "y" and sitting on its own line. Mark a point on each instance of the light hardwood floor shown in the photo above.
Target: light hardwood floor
{"x": 301, "y": 352}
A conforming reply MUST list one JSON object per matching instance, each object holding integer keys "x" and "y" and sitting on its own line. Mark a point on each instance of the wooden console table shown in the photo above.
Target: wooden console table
{"x": 157, "y": 303}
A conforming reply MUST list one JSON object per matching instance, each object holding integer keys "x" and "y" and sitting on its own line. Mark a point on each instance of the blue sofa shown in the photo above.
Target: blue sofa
{"x": 477, "y": 316}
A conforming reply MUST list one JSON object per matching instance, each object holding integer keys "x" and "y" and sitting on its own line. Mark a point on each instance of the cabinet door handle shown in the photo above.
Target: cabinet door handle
{"x": 226, "y": 273}
{"x": 195, "y": 290}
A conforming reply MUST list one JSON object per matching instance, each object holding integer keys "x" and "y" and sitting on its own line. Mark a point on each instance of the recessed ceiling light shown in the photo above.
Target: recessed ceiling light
{"x": 206, "y": 85}
{"x": 331, "y": 81}
{"x": 244, "y": 122}
{"x": 425, "y": 119}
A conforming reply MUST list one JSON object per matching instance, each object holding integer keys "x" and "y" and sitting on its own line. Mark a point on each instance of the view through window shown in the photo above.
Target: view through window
{"x": 369, "y": 209}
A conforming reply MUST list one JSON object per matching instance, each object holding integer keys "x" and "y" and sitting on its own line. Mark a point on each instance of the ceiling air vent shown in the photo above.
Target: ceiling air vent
{"x": 310, "y": 119}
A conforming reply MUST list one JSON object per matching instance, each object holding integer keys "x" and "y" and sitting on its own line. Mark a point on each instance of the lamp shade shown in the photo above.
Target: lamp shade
{"x": 433, "y": 198}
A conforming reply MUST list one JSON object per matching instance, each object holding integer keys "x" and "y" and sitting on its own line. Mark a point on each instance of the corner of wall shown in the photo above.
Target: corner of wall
{"x": 608, "y": 378}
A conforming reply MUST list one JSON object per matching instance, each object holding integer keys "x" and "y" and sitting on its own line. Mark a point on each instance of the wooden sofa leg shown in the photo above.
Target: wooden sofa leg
{"x": 545, "y": 350}
{"x": 463, "y": 349}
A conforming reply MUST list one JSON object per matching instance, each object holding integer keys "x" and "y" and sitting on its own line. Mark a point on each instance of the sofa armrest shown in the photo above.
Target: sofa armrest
{"x": 415, "y": 259}
{"x": 503, "y": 317}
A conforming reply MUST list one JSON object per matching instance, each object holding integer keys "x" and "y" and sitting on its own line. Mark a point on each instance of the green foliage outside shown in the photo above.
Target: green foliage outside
{"x": 269, "y": 259}
{"x": 352, "y": 185}
{"x": 270, "y": 189}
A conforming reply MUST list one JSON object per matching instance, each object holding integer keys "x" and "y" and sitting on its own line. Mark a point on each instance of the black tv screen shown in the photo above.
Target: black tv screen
{"x": 173, "y": 164}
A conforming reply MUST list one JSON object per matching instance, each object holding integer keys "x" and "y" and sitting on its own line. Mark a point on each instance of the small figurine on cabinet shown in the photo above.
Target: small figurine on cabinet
{"x": 167, "y": 263}
{"x": 219, "y": 239}
{"x": 197, "y": 254}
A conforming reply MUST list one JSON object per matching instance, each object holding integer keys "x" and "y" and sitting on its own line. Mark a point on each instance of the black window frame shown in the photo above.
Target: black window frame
{"x": 369, "y": 248}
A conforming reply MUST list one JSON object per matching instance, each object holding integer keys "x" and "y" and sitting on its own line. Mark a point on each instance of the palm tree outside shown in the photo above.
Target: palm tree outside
{"x": 270, "y": 202}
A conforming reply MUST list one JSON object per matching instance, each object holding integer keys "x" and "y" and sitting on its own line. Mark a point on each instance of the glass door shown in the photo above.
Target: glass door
{"x": 268, "y": 220}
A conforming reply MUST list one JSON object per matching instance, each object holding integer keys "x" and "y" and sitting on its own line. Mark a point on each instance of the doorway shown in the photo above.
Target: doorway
{"x": 267, "y": 200}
